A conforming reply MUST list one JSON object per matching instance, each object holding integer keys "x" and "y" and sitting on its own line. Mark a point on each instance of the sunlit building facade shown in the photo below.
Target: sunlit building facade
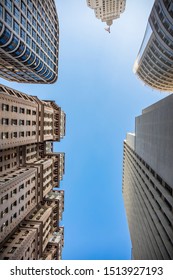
{"x": 29, "y": 41}
{"x": 154, "y": 63}
{"x": 30, "y": 208}
{"x": 107, "y": 10}
{"x": 148, "y": 182}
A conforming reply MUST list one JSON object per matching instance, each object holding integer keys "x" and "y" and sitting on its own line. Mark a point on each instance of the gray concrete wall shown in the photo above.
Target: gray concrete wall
{"x": 154, "y": 138}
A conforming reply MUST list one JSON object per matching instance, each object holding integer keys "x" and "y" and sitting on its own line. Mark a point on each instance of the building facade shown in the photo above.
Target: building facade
{"x": 154, "y": 63}
{"x": 29, "y": 41}
{"x": 148, "y": 182}
{"x": 107, "y": 10}
{"x": 30, "y": 208}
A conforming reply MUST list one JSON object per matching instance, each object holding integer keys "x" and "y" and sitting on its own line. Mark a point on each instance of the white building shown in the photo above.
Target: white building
{"x": 107, "y": 10}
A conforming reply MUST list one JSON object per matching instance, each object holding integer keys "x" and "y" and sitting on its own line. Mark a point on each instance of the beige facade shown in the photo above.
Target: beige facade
{"x": 107, "y": 10}
{"x": 26, "y": 119}
{"x": 29, "y": 172}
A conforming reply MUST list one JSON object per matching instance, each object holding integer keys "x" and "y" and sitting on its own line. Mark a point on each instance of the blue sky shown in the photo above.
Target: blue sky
{"x": 101, "y": 97}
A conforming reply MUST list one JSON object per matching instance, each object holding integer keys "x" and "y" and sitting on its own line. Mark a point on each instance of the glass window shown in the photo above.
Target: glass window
{"x": 38, "y": 39}
{"x": 8, "y": 4}
{"x": 23, "y": 7}
{"x": 16, "y": 27}
{"x": 13, "y": 44}
{"x": 29, "y": 28}
{"x": 33, "y": 45}
{"x": 22, "y": 34}
{"x": 8, "y": 18}
{"x": 34, "y": 34}
{"x": 34, "y": 22}
{"x": 28, "y": 40}
{"x": 16, "y": 12}
{"x": 23, "y": 21}
{"x": 39, "y": 18}
{"x": 29, "y": 15}
{"x": 14, "y": 109}
{"x": 5, "y": 121}
{"x": 17, "y": 1}
{"x": 38, "y": 28}
{"x": 5, "y": 37}
{"x": 29, "y": 2}
{"x": 22, "y": 110}
{"x": 20, "y": 50}
{"x": 1, "y": 11}
{"x": 34, "y": 10}
{"x": 5, "y": 107}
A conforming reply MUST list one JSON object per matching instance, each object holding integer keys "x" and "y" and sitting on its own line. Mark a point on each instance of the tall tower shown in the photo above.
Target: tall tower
{"x": 30, "y": 207}
{"x": 154, "y": 62}
{"x": 107, "y": 10}
{"x": 29, "y": 41}
{"x": 148, "y": 182}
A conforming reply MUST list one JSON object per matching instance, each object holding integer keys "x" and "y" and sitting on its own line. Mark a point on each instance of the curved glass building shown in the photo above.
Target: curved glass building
{"x": 29, "y": 41}
{"x": 154, "y": 63}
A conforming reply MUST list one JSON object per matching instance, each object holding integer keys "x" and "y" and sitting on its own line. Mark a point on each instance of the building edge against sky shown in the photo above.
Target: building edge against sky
{"x": 107, "y": 10}
{"x": 29, "y": 41}
{"x": 31, "y": 206}
{"x": 154, "y": 63}
{"x": 147, "y": 182}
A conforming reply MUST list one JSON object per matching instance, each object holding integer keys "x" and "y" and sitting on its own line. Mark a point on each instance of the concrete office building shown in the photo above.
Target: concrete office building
{"x": 148, "y": 182}
{"x": 29, "y": 171}
{"x": 29, "y": 41}
{"x": 154, "y": 63}
{"x": 107, "y": 10}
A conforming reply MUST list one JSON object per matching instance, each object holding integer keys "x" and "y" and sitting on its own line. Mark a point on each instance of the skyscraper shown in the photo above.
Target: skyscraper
{"x": 155, "y": 58}
{"x": 107, "y": 10}
{"x": 30, "y": 208}
{"x": 148, "y": 182}
{"x": 29, "y": 41}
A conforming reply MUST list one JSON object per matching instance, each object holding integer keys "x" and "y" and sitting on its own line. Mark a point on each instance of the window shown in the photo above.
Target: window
{"x": 16, "y": 12}
{"x": 16, "y": 1}
{"x": 29, "y": 15}
{"x": 16, "y": 27}
{"x": 34, "y": 22}
{"x": 1, "y": 11}
{"x": 8, "y": 4}
{"x": 4, "y": 135}
{"x": 28, "y": 122}
{"x": 22, "y": 34}
{"x": 21, "y": 122}
{"x": 14, "y": 109}
{"x": 28, "y": 40}
{"x": 21, "y": 134}
{"x": 29, "y": 28}
{"x": 8, "y": 18}
{"x": 33, "y": 113}
{"x": 22, "y": 110}
{"x": 5, "y": 107}
{"x": 14, "y": 135}
{"x": 5, "y": 121}
{"x": 23, "y": 6}
{"x": 14, "y": 122}
{"x": 23, "y": 21}
{"x": 28, "y": 112}
{"x": 28, "y": 133}
{"x": 33, "y": 133}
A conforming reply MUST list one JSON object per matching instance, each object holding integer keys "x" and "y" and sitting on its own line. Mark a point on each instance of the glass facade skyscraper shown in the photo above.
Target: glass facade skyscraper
{"x": 155, "y": 58}
{"x": 29, "y": 41}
